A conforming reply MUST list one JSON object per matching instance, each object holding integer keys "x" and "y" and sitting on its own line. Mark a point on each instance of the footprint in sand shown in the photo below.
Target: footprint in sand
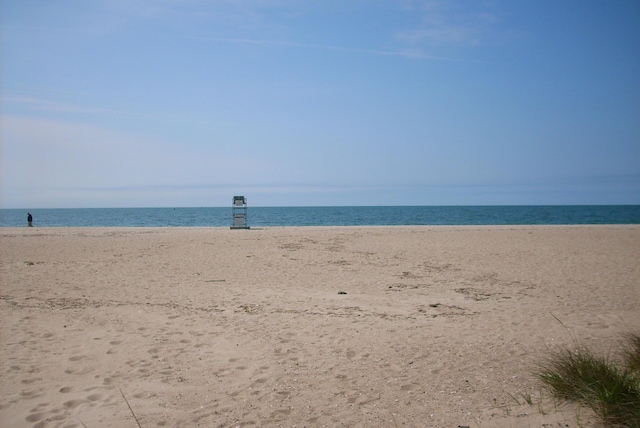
{"x": 77, "y": 358}
{"x": 30, "y": 394}
{"x": 72, "y": 404}
{"x": 35, "y": 417}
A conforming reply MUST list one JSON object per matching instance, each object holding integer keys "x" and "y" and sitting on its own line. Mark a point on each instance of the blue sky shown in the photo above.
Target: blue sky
{"x": 155, "y": 103}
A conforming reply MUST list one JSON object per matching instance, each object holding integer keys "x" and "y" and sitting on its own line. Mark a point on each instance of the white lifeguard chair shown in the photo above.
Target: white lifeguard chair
{"x": 239, "y": 210}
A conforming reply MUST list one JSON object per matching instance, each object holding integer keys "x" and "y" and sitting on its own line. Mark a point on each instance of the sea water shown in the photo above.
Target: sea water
{"x": 326, "y": 216}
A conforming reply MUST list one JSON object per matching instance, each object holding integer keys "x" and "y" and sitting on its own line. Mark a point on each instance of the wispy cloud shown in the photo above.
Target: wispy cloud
{"x": 407, "y": 53}
{"x": 271, "y": 23}
{"x": 442, "y": 35}
{"x": 52, "y": 29}
{"x": 65, "y": 153}
{"x": 443, "y": 23}
{"x": 44, "y": 105}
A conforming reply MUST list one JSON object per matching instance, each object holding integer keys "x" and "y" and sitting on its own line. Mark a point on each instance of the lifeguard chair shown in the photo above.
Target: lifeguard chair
{"x": 239, "y": 210}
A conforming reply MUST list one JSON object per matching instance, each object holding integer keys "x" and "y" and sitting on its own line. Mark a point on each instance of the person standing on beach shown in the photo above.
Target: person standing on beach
{"x": 29, "y": 219}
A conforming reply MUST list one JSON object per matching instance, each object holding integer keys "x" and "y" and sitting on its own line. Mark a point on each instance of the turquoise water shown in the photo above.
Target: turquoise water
{"x": 325, "y": 216}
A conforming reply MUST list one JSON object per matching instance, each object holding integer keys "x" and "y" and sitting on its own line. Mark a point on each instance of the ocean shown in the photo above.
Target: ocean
{"x": 326, "y": 216}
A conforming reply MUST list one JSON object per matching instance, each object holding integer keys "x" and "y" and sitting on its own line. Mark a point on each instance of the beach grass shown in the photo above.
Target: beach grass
{"x": 631, "y": 352}
{"x": 610, "y": 389}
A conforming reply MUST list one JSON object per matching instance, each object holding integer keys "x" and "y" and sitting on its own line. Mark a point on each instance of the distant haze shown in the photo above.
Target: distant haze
{"x": 163, "y": 103}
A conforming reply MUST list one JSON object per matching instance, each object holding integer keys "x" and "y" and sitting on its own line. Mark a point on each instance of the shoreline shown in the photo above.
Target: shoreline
{"x": 393, "y": 226}
{"x": 305, "y": 325}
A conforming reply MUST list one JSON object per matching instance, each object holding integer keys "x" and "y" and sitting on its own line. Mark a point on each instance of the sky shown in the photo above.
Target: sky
{"x": 186, "y": 103}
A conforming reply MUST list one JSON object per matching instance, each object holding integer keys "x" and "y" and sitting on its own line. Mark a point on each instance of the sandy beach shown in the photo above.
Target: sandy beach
{"x": 305, "y": 327}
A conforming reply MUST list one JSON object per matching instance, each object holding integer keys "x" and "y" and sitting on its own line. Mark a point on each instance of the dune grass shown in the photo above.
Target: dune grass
{"x": 631, "y": 352}
{"x": 611, "y": 390}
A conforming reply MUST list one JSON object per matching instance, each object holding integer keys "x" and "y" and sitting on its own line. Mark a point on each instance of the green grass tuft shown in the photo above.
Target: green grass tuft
{"x": 611, "y": 391}
{"x": 631, "y": 352}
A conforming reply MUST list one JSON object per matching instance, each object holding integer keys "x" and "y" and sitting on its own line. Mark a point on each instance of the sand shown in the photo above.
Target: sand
{"x": 313, "y": 326}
